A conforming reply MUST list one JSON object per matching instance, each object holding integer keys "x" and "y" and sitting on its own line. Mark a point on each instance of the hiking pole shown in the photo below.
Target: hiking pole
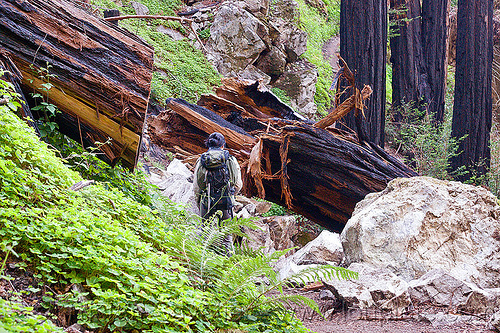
{"x": 208, "y": 192}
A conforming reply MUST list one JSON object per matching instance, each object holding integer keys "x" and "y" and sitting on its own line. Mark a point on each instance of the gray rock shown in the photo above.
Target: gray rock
{"x": 251, "y": 73}
{"x": 75, "y": 328}
{"x": 439, "y": 288}
{"x": 255, "y": 6}
{"x": 442, "y": 320}
{"x": 250, "y": 209}
{"x": 259, "y": 238}
{"x": 262, "y": 207}
{"x": 299, "y": 82}
{"x": 139, "y": 8}
{"x": 200, "y": 17}
{"x": 295, "y": 42}
{"x": 287, "y": 10}
{"x": 376, "y": 288}
{"x": 326, "y": 249}
{"x": 176, "y": 167}
{"x": 273, "y": 62}
{"x": 482, "y": 301}
{"x": 180, "y": 190}
{"x": 234, "y": 41}
{"x": 284, "y": 17}
{"x": 421, "y": 223}
{"x": 243, "y": 200}
{"x": 243, "y": 214}
{"x": 326, "y": 295}
{"x": 174, "y": 34}
{"x": 282, "y": 229}
{"x": 495, "y": 321}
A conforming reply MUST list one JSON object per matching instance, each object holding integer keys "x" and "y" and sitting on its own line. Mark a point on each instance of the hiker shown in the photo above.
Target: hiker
{"x": 217, "y": 179}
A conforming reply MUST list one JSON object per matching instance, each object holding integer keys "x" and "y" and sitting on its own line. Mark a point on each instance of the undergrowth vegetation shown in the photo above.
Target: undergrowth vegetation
{"x": 119, "y": 265}
{"x": 320, "y": 27}
{"x": 424, "y": 145}
{"x": 181, "y": 71}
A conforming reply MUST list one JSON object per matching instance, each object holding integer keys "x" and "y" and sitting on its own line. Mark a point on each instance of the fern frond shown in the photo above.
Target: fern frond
{"x": 321, "y": 273}
{"x": 282, "y": 299}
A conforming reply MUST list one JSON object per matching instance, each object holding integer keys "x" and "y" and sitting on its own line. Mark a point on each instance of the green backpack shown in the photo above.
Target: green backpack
{"x": 217, "y": 178}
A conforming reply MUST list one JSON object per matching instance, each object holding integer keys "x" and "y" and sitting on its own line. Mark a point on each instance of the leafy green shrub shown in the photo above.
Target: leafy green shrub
{"x": 242, "y": 280}
{"x": 14, "y": 317}
{"x": 426, "y": 146}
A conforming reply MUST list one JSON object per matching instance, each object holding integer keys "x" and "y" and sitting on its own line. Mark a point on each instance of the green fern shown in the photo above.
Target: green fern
{"x": 244, "y": 280}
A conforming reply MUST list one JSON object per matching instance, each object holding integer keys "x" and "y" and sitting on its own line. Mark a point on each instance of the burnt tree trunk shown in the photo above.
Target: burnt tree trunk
{"x": 472, "y": 110}
{"x": 102, "y": 73}
{"x": 408, "y": 79}
{"x": 363, "y": 38}
{"x": 434, "y": 40}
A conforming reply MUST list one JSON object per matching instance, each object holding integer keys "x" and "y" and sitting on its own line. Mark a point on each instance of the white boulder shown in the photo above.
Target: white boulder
{"x": 419, "y": 224}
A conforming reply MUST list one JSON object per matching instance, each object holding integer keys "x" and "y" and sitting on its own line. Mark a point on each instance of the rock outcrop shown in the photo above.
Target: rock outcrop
{"x": 375, "y": 288}
{"x": 419, "y": 224}
{"x": 250, "y": 42}
{"x": 235, "y": 39}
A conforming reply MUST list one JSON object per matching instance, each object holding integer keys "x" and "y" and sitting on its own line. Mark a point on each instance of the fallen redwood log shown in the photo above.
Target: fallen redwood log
{"x": 319, "y": 173}
{"x": 100, "y": 73}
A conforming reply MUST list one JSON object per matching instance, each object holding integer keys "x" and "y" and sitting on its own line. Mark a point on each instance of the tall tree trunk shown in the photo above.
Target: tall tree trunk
{"x": 434, "y": 35}
{"x": 363, "y": 44}
{"x": 472, "y": 108}
{"x": 409, "y": 86}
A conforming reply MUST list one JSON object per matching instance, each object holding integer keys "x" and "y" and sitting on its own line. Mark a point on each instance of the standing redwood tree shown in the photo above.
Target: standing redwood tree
{"x": 363, "y": 45}
{"x": 434, "y": 35}
{"x": 409, "y": 84}
{"x": 472, "y": 110}
{"x": 418, "y": 55}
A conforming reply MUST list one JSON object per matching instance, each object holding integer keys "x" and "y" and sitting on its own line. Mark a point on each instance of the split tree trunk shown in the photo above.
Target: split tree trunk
{"x": 12, "y": 75}
{"x": 472, "y": 110}
{"x": 317, "y": 172}
{"x": 363, "y": 36}
{"x": 102, "y": 73}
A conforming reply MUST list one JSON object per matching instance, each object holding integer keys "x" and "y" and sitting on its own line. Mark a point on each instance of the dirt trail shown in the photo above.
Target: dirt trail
{"x": 330, "y": 50}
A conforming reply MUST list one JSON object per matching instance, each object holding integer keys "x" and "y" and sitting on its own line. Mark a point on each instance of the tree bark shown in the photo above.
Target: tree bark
{"x": 472, "y": 111}
{"x": 434, "y": 40}
{"x": 363, "y": 38}
{"x": 102, "y": 73}
{"x": 13, "y": 76}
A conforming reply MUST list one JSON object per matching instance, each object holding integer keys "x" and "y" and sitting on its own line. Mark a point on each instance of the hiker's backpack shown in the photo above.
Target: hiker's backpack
{"x": 217, "y": 178}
